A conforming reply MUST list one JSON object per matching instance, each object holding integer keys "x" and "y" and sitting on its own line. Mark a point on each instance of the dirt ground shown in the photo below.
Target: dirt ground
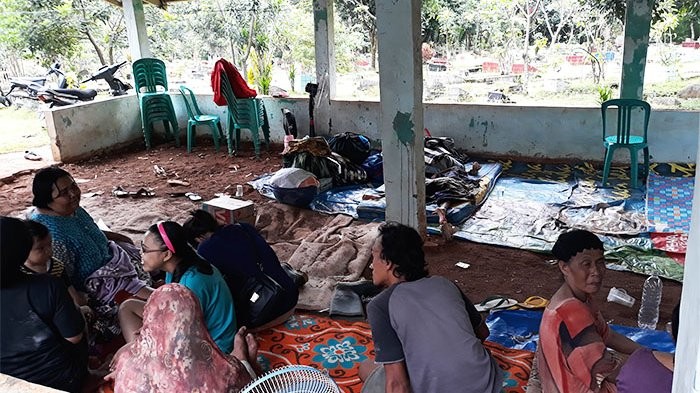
{"x": 494, "y": 270}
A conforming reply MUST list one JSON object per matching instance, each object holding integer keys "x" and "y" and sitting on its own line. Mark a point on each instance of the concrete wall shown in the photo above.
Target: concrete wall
{"x": 528, "y": 131}
{"x": 532, "y": 131}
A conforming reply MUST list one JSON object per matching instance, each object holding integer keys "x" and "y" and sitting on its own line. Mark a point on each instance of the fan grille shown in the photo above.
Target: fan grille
{"x": 293, "y": 379}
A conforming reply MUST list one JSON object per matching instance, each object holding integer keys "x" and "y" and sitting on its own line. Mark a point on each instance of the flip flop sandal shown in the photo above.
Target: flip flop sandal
{"x": 193, "y": 197}
{"x": 496, "y": 302}
{"x": 31, "y": 156}
{"x": 534, "y": 302}
{"x": 177, "y": 194}
{"x": 119, "y": 192}
{"x": 142, "y": 193}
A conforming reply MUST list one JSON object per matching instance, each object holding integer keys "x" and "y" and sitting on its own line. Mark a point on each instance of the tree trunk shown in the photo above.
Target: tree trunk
{"x": 692, "y": 31}
{"x": 100, "y": 55}
{"x": 373, "y": 48}
{"x": 244, "y": 60}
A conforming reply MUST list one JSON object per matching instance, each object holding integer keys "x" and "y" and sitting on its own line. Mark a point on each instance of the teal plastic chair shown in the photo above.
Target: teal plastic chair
{"x": 151, "y": 81}
{"x": 245, "y": 113}
{"x": 625, "y": 137}
{"x": 197, "y": 118}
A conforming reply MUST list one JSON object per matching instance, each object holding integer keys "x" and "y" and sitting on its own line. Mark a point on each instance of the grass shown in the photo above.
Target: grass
{"x": 21, "y": 129}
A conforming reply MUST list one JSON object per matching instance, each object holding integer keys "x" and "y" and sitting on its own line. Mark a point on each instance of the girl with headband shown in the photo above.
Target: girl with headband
{"x": 165, "y": 248}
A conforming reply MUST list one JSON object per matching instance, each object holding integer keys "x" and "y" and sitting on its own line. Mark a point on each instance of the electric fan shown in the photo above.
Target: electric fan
{"x": 293, "y": 379}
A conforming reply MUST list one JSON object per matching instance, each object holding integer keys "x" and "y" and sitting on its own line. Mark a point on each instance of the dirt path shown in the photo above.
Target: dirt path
{"x": 494, "y": 270}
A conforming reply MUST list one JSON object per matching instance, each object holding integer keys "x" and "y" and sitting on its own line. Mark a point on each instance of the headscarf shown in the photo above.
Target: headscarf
{"x": 174, "y": 352}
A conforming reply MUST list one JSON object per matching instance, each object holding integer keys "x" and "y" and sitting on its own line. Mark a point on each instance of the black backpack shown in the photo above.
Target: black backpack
{"x": 354, "y": 147}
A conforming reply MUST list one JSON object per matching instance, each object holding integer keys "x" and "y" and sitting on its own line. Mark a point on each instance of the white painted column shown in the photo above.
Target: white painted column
{"x": 136, "y": 29}
{"x": 401, "y": 110}
{"x": 686, "y": 376}
{"x": 324, "y": 34}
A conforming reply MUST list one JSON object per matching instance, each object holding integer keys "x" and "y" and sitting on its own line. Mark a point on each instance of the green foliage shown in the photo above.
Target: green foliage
{"x": 604, "y": 93}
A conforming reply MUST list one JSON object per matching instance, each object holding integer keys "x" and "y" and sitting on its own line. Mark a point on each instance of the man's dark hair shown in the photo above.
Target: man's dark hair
{"x": 42, "y": 187}
{"x": 403, "y": 246}
{"x": 15, "y": 244}
{"x": 571, "y": 243}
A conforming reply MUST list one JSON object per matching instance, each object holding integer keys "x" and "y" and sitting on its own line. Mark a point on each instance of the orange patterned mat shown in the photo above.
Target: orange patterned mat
{"x": 340, "y": 346}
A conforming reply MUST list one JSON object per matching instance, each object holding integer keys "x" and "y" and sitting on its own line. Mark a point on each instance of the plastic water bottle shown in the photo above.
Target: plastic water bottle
{"x": 649, "y": 306}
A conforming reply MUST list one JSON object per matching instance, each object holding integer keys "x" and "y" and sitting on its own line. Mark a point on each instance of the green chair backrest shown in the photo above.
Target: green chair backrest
{"x": 625, "y": 107}
{"x": 245, "y": 112}
{"x": 192, "y": 110}
{"x": 149, "y": 74}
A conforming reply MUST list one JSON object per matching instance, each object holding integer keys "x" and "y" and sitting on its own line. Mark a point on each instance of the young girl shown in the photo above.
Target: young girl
{"x": 165, "y": 248}
{"x": 41, "y": 261}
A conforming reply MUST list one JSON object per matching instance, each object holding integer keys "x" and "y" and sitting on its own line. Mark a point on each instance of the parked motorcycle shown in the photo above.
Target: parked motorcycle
{"x": 34, "y": 88}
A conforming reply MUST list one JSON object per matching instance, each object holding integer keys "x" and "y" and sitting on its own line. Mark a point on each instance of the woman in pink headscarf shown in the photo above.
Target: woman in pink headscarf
{"x": 173, "y": 351}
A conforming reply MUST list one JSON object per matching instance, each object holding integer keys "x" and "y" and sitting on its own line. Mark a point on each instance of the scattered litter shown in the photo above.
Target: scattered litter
{"x": 233, "y": 167}
{"x": 176, "y": 183}
{"x": 81, "y": 181}
{"x": 142, "y": 193}
{"x": 201, "y": 155}
{"x": 193, "y": 197}
{"x": 551, "y": 261}
{"x": 177, "y": 194}
{"x": 248, "y": 175}
{"x": 92, "y": 194}
{"x": 142, "y": 158}
{"x": 159, "y": 170}
{"x": 31, "y": 156}
{"x": 463, "y": 265}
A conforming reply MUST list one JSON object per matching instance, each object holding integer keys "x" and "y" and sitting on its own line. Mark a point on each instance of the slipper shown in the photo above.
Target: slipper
{"x": 142, "y": 193}
{"x": 193, "y": 197}
{"x": 496, "y": 302}
{"x": 31, "y": 156}
{"x": 119, "y": 192}
{"x": 177, "y": 194}
{"x": 534, "y": 302}
{"x": 175, "y": 183}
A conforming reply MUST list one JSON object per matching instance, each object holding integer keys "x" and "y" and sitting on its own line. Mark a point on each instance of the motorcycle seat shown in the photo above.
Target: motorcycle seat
{"x": 83, "y": 95}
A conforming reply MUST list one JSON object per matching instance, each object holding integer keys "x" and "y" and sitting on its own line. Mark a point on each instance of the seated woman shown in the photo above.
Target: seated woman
{"x": 165, "y": 248}
{"x": 175, "y": 353}
{"x": 42, "y": 338}
{"x": 648, "y": 371}
{"x": 100, "y": 264}
{"x": 240, "y": 252}
{"x": 572, "y": 355}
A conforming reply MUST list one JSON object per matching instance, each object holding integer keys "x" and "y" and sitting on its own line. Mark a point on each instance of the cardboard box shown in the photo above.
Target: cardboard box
{"x": 230, "y": 210}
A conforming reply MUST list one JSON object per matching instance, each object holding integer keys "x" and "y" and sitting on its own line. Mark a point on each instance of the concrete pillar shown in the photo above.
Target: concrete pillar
{"x": 136, "y": 29}
{"x": 324, "y": 33}
{"x": 686, "y": 376}
{"x": 634, "y": 58}
{"x": 401, "y": 110}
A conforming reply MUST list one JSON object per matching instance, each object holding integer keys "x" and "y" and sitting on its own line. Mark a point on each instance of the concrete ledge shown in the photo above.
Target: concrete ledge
{"x": 82, "y": 130}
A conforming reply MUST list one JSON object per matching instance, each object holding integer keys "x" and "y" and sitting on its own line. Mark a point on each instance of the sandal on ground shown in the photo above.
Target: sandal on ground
{"x": 193, "y": 197}
{"x": 120, "y": 192}
{"x": 496, "y": 302}
{"x": 177, "y": 194}
{"x": 534, "y": 302}
{"x": 31, "y": 156}
{"x": 142, "y": 193}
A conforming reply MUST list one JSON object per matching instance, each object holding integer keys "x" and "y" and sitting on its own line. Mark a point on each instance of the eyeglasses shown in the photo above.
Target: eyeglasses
{"x": 145, "y": 250}
{"x": 64, "y": 192}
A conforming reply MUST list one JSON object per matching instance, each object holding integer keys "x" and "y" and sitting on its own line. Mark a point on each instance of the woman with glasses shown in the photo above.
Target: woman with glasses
{"x": 165, "y": 248}
{"x": 98, "y": 263}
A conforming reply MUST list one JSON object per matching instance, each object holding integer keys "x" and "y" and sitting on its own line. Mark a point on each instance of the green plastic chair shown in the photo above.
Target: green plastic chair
{"x": 151, "y": 80}
{"x": 159, "y": 107}
{"x": 197, "y": 118}
{"x": 248, "y": 113}
{"x": 625, "y": 137}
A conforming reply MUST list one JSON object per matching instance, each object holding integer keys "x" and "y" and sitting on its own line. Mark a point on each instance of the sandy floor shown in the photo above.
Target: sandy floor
{"x": 494, "y": 270}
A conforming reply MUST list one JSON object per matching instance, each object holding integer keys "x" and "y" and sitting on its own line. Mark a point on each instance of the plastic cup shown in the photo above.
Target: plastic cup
{"x": 620, "y": 296}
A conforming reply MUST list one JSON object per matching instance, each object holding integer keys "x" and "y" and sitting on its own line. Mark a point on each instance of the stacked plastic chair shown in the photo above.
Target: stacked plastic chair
{"x": 151, "y": 80}
{"x": 248, "y": 113}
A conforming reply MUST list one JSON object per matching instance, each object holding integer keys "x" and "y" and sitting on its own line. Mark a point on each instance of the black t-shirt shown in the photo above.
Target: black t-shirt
{"x": 36, "y": 315}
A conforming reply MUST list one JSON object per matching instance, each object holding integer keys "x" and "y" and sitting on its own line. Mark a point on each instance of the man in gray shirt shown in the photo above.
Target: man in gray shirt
{"x": 423, "y": 327}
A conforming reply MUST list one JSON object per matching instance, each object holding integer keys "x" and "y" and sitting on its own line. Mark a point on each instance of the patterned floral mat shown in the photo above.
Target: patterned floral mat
{"x": 340, "y": 346}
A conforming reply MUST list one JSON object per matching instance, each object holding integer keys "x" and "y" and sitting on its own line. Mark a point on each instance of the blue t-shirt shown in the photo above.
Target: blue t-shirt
{"x": 217, "y": 304}
{"x": 78, "y": 243}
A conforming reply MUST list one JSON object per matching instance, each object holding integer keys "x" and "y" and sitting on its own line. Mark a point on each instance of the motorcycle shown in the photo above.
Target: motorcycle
{"x": 35, "y": 88}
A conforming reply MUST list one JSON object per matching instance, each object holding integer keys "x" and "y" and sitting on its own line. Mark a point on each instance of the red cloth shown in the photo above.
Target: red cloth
{"x": 238, "y": 84}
